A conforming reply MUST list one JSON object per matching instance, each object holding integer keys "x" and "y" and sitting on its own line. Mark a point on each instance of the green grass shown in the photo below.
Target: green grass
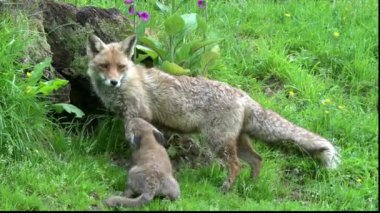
{"x": 281, "y": 45}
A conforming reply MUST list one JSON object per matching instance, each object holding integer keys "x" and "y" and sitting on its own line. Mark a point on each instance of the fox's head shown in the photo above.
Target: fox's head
{"x": 110, "y": 62}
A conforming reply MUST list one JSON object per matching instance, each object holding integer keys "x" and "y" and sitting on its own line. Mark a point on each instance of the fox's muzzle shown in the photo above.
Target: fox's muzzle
{"x": 112, "y": 82}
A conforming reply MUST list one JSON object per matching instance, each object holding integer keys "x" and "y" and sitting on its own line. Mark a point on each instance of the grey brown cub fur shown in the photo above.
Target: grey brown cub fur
{"x": 226, "y": 116}
{"x": 151, "y": 174}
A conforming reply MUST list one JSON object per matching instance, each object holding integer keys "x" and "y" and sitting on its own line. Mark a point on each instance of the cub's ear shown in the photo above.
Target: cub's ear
{"x": 159, "y": 137}
{"x": 94, "y": 45}
{"x": 128, "y": 45}
{"x": 135, "y": 140}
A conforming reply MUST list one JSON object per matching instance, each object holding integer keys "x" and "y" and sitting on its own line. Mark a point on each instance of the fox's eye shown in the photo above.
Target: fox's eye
{"x": 121, "y": 66}
{"x": 104, "y": 66}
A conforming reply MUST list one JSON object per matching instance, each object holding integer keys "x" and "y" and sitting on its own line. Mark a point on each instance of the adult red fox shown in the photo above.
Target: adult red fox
{"x": 226, "y": 116}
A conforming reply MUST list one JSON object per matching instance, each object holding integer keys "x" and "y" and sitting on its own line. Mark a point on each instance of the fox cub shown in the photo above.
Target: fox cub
{"x": 226, "y": 116}
{"x": 151, "y": 175}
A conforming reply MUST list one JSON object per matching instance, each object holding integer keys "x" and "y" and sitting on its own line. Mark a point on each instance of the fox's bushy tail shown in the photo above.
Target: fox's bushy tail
{"x": 271, "y": 127}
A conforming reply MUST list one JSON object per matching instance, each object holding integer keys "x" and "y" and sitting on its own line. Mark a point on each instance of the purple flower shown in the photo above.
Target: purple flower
{"x": 201, "y": 3}
{"x": 144, "y": 16}
{"x": 128, "y": 1}
{"x": 131, "y": 10}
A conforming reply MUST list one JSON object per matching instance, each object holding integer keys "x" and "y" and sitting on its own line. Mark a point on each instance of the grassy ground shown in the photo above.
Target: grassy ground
{"x": 314, "y": 64}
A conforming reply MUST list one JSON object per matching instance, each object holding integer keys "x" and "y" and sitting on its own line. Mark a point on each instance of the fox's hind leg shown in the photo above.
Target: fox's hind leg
{"x": 232, "y": 161}
{"x": 247, "y": 153}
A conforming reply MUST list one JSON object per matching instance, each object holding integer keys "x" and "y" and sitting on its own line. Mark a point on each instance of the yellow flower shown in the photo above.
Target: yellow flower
{"x": 359, "y": 180}
{"x": 28, "y": 74}
{"x": 326, "y": 101}
{"x": 287, "y": 14}
{"x": 336, "y": 34}
{"x": 291, "y": 93}
{"x": 340, "y": 106}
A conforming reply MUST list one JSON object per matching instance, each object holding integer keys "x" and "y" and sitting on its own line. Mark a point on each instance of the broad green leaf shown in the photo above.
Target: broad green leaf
{"x": 174, "y": 25}
{"x": 48, "y": 87}
{"x": 38, "y": 71}
{"x": 153, "y": 54}
{"x": 60, "y": 107}
{"x": 191, "y": 23}
{"x": 153, "y": 44}
{"x": 183, "y": 52}
{"x": 162, "y": 7}
{"x": 173, "y": 68}
{"x": 141, "y": 57}
{"x": 208, "y": 58}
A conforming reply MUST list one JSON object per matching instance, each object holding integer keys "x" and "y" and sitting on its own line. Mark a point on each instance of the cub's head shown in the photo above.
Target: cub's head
{"x": 139, "y": 128}
{"x": 111, "y": 62}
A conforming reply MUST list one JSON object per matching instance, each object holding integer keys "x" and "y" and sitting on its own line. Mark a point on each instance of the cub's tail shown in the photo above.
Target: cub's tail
{"x": 119, "y": 201}
{"x": 271, "y": 127}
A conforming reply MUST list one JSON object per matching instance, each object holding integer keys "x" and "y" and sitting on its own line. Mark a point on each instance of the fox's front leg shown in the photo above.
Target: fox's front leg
{"x": 127, "y": 115}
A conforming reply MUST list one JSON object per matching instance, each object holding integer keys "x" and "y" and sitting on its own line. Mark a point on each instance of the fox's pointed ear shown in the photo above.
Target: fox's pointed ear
{"x": 159, "y": 137}
{"x": 128, "y": 45}
{"x": 94, "y": 45}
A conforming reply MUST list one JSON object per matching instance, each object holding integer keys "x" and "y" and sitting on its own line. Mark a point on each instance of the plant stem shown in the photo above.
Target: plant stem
{"x": 171, "y": 38}
{"x": 205, "y": 13}
{"x": 134, "y": 29}
{"x": 204, "y": 34}
{"x": 172, "y": 7}
{"x": 171, "y": 43}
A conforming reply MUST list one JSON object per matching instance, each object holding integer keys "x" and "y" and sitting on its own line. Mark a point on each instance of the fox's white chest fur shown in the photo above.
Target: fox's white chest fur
{"x": 120, "y": 99}
{"x": 110, "y": 96}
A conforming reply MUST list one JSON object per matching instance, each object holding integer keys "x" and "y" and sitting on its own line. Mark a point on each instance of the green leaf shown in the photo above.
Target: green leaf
{"x": 162, "y": 7}
{"x": 153, "y": 44}
{"x": 141, "y": 57}
{"x": 173, "y": 68}
{"x": 38, "y": 71}
{"x": 48, "y": 87}
{"x": 151, "y": 53}
{"x": 60, "y": 107}
{"x": 183, "y": 52}
{"x": 174, "y": 25}
{"x": 191, "y": 23}
{"x": 208, "y": 58}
